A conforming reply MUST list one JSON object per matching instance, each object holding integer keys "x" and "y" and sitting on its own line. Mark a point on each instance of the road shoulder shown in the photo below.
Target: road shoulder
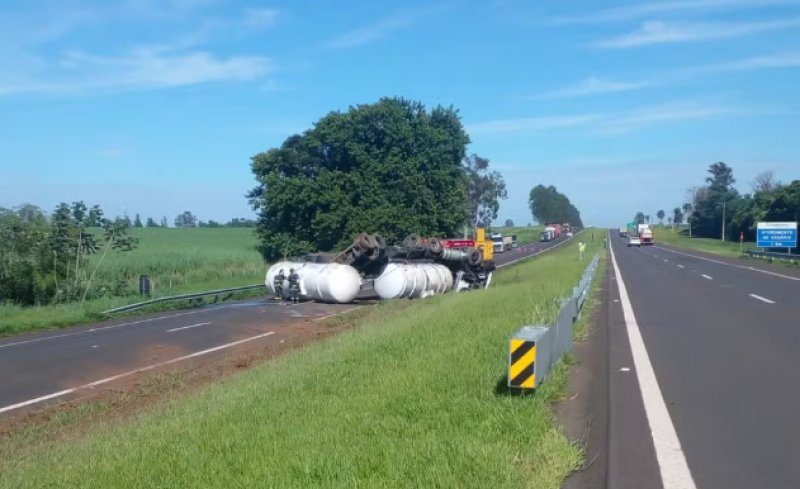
{"x": 603, "y": 410}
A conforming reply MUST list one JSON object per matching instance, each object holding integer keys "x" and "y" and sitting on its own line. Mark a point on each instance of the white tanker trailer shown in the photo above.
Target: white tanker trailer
{"x": 418, "y": 268}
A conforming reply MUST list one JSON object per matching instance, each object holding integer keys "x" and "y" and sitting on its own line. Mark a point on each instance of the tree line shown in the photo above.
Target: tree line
{"x": 548, "y": 205}
{"x": 44, "y": 259}
{"x": 718, "y": 210}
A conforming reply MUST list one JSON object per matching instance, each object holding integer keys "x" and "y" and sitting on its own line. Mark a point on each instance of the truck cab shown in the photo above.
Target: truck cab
{"x": 497, "y": 243}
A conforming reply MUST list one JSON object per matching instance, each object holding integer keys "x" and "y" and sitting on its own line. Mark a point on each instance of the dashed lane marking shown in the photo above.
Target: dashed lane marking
{"x": 762, "y": 299}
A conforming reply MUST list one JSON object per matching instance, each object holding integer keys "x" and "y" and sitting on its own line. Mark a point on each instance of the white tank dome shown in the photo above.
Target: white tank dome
{"x": 413, "y": 280}
{"x": 326, "y": 282}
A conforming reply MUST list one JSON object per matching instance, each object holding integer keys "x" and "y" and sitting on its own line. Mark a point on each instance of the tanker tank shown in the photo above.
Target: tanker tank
{"x": 413, "y": 280}
{"x": 325, "y": 282}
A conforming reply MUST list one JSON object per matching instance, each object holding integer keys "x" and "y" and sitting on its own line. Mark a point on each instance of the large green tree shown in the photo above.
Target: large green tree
{"x": 391, "y": 167}
{"x": 715, "y": 202}
{"x": 548, "y": 205}
{"x": 484, "y": 190}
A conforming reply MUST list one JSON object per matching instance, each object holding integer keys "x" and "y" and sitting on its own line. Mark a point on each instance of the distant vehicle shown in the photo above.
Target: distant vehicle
{"x": 569, "y": 234}
{"x": 623, "y": 232}
{"x": 498, "y": 244}
{"x": 566, "y": 228}
{"x": 508, "y": 242}
{"x": 549, "y": 234}
{"x": 513, "y": 240}
{"x": 634, "y": 241}
{"x": 646, "y": 236}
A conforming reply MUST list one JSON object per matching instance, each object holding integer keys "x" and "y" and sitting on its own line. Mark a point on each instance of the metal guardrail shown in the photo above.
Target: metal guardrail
{"x": 772, "y": 255}
{"x": 197, "y": 295}
{"x": 533, "y": 350}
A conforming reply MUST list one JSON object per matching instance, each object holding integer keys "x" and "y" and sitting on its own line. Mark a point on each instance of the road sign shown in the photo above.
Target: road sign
{"x": 776, "y": 235}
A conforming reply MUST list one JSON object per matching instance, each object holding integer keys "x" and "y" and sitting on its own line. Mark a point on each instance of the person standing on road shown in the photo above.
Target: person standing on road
{"x": 277, "y": 284}
{"x": 294, "y": 286}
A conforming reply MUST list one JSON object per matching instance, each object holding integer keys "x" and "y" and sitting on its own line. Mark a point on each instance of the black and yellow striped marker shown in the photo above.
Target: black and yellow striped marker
{"x": 521, "y": 371}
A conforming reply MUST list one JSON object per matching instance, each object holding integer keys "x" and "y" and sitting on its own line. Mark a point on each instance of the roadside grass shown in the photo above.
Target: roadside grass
{"x": 177, "y": 260}
{"x": 410, "y": 397}
{"x": 680, "y": 238}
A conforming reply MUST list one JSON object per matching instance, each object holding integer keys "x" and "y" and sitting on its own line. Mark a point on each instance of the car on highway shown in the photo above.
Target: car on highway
{"x": 634, "y": 241}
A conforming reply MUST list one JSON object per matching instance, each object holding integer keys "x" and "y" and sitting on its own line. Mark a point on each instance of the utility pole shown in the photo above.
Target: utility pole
{"x": 723, "y": 220}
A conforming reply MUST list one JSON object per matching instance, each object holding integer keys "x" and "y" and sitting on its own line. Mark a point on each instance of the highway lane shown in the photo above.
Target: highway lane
{"x": 47, "y": 366}
{"x": 723, "y": 342}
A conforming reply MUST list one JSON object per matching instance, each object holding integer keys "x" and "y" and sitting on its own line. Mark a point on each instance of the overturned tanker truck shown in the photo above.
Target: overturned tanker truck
{"x": 370, "y": 269}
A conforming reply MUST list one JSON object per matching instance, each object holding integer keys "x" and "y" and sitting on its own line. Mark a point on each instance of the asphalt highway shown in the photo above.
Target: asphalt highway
{"x": 722, "y": 339}
{"x": 46, "y": 367}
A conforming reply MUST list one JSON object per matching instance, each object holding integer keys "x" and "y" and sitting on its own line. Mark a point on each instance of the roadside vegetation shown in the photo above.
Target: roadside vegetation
{"x": 177, "y": 260}
{"x": 413, "y": 396}
{"x": 706, "y": 208}
{"x": 680, "y": 238}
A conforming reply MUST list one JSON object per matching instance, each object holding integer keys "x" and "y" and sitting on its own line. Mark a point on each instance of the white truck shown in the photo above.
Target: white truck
{"x": 646, "y": 235}
{"x": 498, "y": 243}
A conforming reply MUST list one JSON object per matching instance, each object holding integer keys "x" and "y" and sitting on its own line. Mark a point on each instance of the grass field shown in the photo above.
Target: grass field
{"x": 177, "y": 261}
{"x": 412, "y": 397}
{"x": 525, "y": 235}
{"x": 681, "y": 239}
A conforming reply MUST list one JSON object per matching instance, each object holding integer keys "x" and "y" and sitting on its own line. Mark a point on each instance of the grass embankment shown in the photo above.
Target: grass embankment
{"x": 681, "y": 239}
{"x": 177, "y": 261}
{"x": 411, "y": 397}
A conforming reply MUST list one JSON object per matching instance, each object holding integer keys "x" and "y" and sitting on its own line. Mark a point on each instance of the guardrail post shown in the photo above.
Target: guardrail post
{"x": 533, "y": 350}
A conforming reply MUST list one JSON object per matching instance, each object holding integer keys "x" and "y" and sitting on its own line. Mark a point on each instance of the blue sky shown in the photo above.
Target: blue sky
{"x": 155, "y": 107}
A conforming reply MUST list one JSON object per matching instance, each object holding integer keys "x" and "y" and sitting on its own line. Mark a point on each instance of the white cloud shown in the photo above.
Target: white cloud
{"x": 142, "y": 69}
{"x": 678, "y": 6}
{"x": 657, "y": 32}
{"x": 649, "y": 116}
{"x": 594, "y": 86}
{"x": 260, "y": 17}
{"x": 770, "y": 61}
{"x": 365, "y": 34}
{"x": 621, "y": 122}
{"x": 384, "y": 27}
{"x": 530, "y": 124}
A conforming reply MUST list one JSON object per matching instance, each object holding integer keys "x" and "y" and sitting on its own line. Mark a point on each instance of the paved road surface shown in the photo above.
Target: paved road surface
{"x": 46, "y": 367}
{"x": 724, "y": 343}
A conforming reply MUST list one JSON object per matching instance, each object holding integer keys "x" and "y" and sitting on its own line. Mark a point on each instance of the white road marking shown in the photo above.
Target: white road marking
{"x": 188, "y": 327}
{"x": 625, "y": 369}
{"x": 128, "y": 373}
{"x": 752, "y": 269}
{"x": 706, "y": 277}
{"x": 666, "y": 261}
{"x": 681, "y": 266}
{"x": 675, "y": 473}
{"x": 102, "y": 328}
{"x": 762, "y": 299}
